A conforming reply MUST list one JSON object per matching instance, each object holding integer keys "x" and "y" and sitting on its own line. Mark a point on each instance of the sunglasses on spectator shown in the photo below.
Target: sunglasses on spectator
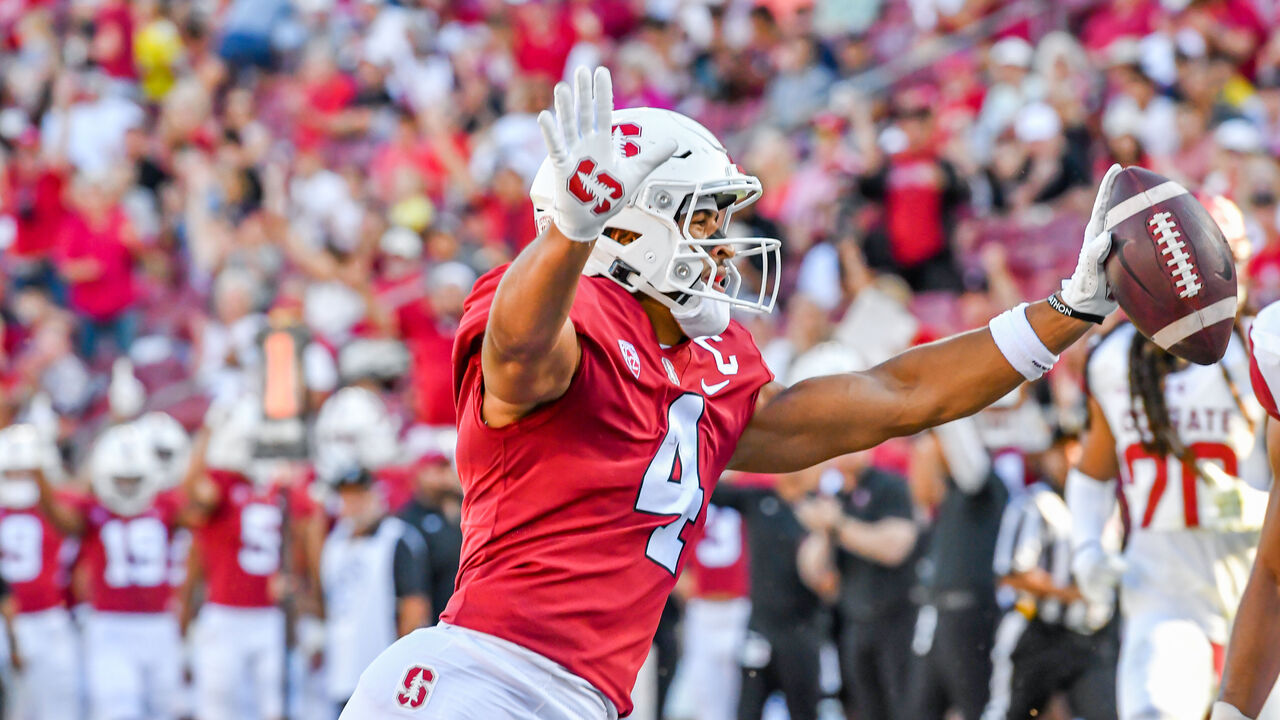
{"x": 915, "y": 114}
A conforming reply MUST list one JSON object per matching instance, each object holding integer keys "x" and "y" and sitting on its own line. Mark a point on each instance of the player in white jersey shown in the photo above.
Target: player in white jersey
{"x": 1253, "y": 658}
{"x": 1184, "y": 442}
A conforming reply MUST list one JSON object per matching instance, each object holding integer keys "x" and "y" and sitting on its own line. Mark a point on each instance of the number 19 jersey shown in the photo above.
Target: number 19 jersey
{"x": 128, "y": 556}
{"x": 578, "y": 517}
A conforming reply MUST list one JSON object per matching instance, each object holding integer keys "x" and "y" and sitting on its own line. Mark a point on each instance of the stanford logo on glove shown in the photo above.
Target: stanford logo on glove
{"x": 605, "y": 187}
{"x": 415, "y": 688}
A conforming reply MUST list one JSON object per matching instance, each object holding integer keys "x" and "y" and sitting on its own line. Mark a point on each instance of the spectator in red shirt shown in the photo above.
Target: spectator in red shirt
{"x": 31, "y": 190}
{"x": 507, "y": 213}
{"x": 95, "y": 257}
{"x": 543, "y": 38}
{"x": 432, "y": 379}
{"x": 325, "y": 93}
{"x": 1118, "y": 19}
{"x": 919, "y": 192}
{"x": 401, "y": 308}
{"x": 112, "y": 46}
{"x": 1264, "y": 269}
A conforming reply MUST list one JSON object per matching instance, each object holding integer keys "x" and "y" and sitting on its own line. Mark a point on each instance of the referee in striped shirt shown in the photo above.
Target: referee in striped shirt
{"x": 1052, "y": 641}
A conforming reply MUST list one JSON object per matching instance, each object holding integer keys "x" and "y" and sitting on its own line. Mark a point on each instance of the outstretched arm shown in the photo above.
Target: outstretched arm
{"x": 1253, "y": 656}
{"x": 825, "y": 417}
{"x": 530, "y": 349}
{"x": 926, "y": 386}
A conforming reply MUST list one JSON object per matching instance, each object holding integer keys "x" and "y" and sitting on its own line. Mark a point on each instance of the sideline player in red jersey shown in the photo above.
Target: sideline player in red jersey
{"x": 601, "y": 388}
{"x": 31, "y": 563}
{"x": 131, "y": 639}
{"x": 1253, "y": 654}
{"x": 240, "y": 535}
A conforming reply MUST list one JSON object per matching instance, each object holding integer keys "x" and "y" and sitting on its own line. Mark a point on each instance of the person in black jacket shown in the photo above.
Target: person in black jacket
{"x": 788, "y": 620}
{"x": 436, "y": 511}
{"x": 957, "y": 622}
{"x": 873, "y": 537}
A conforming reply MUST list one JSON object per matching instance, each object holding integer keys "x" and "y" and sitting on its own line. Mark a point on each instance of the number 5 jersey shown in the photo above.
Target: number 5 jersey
{"x": 578, "y": 517}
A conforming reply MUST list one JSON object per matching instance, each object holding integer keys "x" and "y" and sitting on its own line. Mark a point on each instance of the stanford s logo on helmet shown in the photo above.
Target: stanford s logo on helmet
{"x": 658, "y": 256}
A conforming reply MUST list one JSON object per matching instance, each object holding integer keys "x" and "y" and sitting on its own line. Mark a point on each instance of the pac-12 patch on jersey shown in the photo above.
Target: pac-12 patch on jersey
{"x": 415, "y": 688}
{"x": 631, "y": 357}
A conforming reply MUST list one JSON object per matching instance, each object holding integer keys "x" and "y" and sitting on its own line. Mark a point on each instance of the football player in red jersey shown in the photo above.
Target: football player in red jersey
{"x": 601, "y": 388}
{"x": 131, "y": 637}
{"x": 31, "y": 563}
{"x": 1253, "y": 654}
{"x": 240, "y": 540}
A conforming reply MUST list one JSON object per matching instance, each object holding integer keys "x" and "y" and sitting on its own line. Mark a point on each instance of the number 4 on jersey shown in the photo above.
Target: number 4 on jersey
{"x": 671, "y": 484}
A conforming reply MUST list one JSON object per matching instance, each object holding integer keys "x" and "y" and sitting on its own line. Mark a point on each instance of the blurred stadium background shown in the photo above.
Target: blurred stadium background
{"x": 207, "y": 200}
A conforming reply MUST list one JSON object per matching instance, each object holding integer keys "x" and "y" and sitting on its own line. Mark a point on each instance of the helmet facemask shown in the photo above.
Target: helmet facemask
{"x": 126, "y": 494}
{"x": 664, "y": 260}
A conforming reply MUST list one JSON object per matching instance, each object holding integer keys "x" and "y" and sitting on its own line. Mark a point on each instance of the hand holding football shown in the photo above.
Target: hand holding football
{"x": 1170, "y": 267}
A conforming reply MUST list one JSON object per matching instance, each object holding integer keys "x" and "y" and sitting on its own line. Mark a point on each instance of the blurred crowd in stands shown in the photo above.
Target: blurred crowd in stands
{"x": 203, "y": 200}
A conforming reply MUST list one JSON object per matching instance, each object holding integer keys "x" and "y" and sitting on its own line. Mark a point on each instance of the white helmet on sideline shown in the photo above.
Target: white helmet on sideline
{"x": 354, "y": 428}
{"x": 22, "y": 451}
{"x": 170, "y": 442}
{"x": 664, "y": 261}
{"x": 124, "y": 471}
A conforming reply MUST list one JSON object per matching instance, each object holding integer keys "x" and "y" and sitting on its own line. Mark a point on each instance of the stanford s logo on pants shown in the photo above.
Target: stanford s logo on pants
{"x": 415, "y": 688}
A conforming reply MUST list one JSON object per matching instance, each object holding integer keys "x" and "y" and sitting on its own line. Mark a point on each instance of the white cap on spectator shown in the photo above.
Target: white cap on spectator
{"x": 13, "y": 122}
{"x": 1191, "y": 43}
{"x": 1124, "y": 51}
{"x": 401, "y": 242}
{"x": 1120, "y": 119}
{"x": 1037, "y": 122}
{"x": 1013, "y": 51}
{"x": 1238, "y": 135}
{"x": 892, "y": 140}
{"x": 451, "y": 273}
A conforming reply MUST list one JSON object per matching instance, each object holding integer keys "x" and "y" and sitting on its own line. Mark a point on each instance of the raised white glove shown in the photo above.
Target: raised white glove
{"x": 1097, "y": 572}
{"x": 1085, "y": 294}
{"x": 1226, "y": 711}
{"x": 593, "y": 178}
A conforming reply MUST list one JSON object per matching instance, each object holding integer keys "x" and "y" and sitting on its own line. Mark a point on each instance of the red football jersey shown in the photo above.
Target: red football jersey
{"x": 127, "y": 557}
{"x": 719, "y": 559}
{"x": 240, "y": 543}
{"x": 576, "y": 518}
{"x": 30, "y": 559}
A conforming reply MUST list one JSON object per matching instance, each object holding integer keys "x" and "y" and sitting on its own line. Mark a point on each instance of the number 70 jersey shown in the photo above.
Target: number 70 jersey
{"x": 1218, "y": 423}
{"x": 578, "y": 517}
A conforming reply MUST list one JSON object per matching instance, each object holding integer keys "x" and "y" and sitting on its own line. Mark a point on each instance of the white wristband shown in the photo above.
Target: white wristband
{"x": 1226, "y": 711}
{"x": 1019, "y": 343}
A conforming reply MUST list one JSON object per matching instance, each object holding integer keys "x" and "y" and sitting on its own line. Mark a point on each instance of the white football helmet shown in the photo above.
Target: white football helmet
{"x": 124, "y": 471}
{"x": 22, "y": 452}
{"x": 354, "y": 429}
{"x": 665, "y": 262}
{"x": 170, "y": 442}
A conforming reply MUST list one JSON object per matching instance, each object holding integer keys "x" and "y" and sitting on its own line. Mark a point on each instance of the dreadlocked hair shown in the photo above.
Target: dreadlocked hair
{"x": 1148, "y": 367}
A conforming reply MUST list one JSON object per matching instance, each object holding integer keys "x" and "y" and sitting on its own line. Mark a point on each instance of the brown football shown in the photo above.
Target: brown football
{"x": 1170, "y": 267}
